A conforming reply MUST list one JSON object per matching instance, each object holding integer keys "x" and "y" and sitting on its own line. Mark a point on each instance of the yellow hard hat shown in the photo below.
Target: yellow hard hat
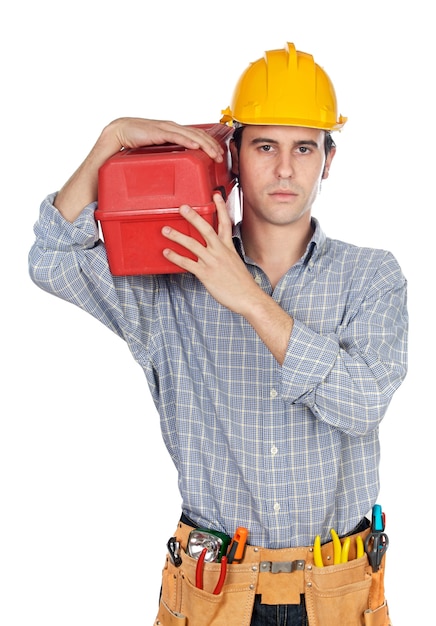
{"x": 286, "y": 88}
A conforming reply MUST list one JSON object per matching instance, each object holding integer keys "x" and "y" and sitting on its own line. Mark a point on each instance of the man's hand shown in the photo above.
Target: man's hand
{"x": 137, "y": 132}
{"x": 218, "y": 265}
{"x": 127, "y": 132}
{"x": 224, "y": 275}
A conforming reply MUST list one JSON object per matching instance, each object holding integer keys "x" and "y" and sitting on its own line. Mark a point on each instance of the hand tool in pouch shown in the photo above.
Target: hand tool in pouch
{"x": 199, "y": 572}
{"x": 237, "y": 546}
{"x": 174, "y": 551}
{"x": 377, "y": 542}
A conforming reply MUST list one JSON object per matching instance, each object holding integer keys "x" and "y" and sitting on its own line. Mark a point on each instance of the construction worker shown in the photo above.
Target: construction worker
{"x": 271, "y": 359}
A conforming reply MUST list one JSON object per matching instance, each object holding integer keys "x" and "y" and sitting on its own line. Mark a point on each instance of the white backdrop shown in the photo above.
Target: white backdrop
{"x": 88, "y": 494}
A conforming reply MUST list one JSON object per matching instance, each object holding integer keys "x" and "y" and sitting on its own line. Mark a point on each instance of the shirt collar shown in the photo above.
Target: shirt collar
{"x": 314, "y": 247}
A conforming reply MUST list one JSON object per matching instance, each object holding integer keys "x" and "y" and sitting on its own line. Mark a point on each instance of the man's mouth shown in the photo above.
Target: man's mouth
{"x": 282, "y": 193}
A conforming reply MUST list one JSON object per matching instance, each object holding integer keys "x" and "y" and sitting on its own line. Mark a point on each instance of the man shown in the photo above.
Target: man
{"x": 271, "y": 360}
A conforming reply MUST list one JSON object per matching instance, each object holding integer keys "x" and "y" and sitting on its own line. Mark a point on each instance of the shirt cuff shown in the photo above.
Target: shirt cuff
{"x": 54, "y": 232}
{"x": 309, "y": 359}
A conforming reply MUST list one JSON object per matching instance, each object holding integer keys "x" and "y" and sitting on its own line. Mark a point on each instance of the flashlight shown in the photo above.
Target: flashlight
{"x": 215, "y": 542}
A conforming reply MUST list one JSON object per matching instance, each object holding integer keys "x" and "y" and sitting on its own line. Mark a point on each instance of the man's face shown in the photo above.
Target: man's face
{"x": 280, "y": 170}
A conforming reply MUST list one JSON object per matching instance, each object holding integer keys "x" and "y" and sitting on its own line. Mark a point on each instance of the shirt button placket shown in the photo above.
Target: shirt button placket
{"x": 273, "y": 394}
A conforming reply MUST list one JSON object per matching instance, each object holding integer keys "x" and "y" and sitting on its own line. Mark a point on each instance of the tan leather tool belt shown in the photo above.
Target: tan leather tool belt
{"x": 348, "y": 593}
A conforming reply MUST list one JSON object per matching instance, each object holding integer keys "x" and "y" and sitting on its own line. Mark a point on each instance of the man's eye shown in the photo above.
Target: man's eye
{"x": 303, "y": 149}
{"x": 266, "y": 148}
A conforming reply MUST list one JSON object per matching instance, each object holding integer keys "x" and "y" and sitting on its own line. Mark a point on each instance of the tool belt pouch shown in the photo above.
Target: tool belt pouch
{"x": 183, "y": 604}
{"x": 348, "y": 593}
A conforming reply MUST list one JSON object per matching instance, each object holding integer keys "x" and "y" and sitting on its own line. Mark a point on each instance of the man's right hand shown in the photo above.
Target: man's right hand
{"x": 126, "y": 132}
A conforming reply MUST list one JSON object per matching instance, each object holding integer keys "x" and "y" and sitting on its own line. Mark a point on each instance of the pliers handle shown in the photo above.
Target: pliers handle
{"x": 376, "y": 545}
{"x": 199, "y": 573}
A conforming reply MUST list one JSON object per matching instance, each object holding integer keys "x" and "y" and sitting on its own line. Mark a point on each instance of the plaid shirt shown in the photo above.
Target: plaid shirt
{"x": 288, "y": 451}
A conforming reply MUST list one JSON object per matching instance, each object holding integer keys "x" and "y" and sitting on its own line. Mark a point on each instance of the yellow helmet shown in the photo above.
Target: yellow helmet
{"x": 286, "y": 88}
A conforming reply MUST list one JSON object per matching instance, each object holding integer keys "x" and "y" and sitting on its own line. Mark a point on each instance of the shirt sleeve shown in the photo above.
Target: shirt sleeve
{"x": 348, "y": 378}
{"x": 69, "y": 260}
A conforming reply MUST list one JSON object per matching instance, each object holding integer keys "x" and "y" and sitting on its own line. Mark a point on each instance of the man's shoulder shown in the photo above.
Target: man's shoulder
{"x": 346, "y": 250}
{"x": 363, "y": 260}
{"x": 339, "y": 246}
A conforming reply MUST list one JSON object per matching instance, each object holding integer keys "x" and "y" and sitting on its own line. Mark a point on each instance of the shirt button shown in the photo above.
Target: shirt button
{"x": 273, "y": 393}
{"x": 274, "y": 450}
{"x": 276, "y": 507}
{"x": 258, "y": 280}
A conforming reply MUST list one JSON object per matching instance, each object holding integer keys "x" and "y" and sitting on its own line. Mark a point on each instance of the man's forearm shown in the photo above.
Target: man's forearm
{"x": 272, "y": 324}
{"x": 81, "y": 189}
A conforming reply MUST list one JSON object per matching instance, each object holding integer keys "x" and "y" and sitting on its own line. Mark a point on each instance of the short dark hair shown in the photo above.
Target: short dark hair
{"x": 329, "y": 143}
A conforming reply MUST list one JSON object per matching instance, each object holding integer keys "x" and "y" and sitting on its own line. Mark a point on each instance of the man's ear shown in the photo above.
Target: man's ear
{"x": 235, "y": 158}
{"x": 328, "y": 163}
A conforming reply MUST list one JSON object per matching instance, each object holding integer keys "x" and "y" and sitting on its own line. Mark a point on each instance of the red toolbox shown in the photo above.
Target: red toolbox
{"x": 140, "y": 191}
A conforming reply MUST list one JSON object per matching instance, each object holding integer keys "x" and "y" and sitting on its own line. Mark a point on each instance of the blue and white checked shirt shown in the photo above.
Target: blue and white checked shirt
{"x": 288, "y": 451}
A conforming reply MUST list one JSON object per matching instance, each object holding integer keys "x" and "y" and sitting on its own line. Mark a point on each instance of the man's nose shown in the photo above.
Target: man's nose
{"x": 284, "y": 167}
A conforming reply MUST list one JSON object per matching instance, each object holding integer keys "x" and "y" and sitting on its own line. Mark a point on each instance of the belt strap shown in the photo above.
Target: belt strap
{"x": 257, "y": 554}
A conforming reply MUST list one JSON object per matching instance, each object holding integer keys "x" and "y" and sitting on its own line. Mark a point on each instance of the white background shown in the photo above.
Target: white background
{"x": 88, "y": 494}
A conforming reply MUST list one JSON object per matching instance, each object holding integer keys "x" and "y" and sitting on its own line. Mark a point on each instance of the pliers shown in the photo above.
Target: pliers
{"x": 340, "y": 549}
{"x": 199, "y": 573}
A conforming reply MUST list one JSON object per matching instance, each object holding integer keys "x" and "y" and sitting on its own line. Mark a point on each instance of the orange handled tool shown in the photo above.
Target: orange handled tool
{"x": 237, "y": 545}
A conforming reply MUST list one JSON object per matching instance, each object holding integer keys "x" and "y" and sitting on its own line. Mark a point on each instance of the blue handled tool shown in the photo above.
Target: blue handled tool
{"x": 378, "y": 519}
{"x": 377, "y": 542}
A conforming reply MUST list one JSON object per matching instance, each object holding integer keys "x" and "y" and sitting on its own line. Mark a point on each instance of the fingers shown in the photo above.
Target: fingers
{"x": 178, "y": 259}
{"x": 224, "y": 221}
{"x": 191, "y": 244}
{"x": 212, "y": 241}
{"x": 201, "y": 225}
{"x": 137, "y": 132}
{"x": 192, "y": 137}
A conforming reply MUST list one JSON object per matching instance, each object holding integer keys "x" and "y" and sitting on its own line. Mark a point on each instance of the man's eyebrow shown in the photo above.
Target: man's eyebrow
{"x": 300, "y": 142}
{"x": 263, "y": 140}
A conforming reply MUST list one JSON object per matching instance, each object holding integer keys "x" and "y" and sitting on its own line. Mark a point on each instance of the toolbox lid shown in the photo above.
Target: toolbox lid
{"x": 164, "y": 177}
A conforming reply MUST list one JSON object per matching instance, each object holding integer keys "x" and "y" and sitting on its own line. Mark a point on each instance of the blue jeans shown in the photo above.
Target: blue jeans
{"x": 279, "y": 615}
